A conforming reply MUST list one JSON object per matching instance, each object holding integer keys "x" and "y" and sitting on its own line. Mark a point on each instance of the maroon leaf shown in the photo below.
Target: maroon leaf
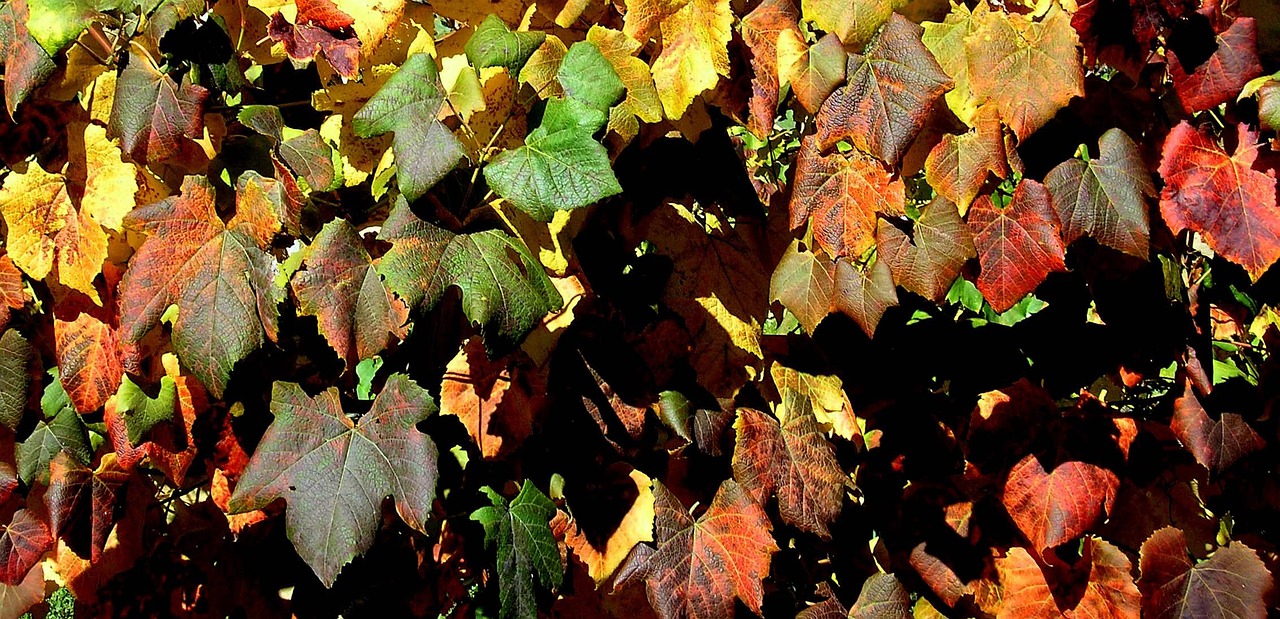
{"x": 1105, "y": 198}
{"x": 1215, "y": 444}
{"x": 1233, "y": 582}
{"x": 1018, "y": 245}
{"x": 790, "y": 457}
{"x": 80, "y": 497}
{"x": 22, "y": 544}
{"x": 26, "y": 64}
{"x": 319, "y": 29}
{"x": 1220, "y": 78}
{"x": 928, "y": 260}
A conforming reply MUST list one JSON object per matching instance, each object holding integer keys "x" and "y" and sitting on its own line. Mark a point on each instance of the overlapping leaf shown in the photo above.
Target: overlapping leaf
{"x": 1220, "y": 78}
{"x": 927, "y": 260}
{"x": 82, "y": 501}
{"x": 694, "y": 53}
{"x": 813, "y": 71}
{"x": 22, "y": 544}
{"x": 1105, "y": 198}
{"x": 1216, "y": 444}
{"x": 151, "y": 113}
{"x": 840, "y": 194}
{"x": 27, "y": 65}
{"x": 1233, "y": 582}
{"x": 526, "y": 548}
{"x": 1056, "y": 506}
{"x": 1018, "y": 245}
{"x": 320, "y": 28}
{"x": 761, "y": 30}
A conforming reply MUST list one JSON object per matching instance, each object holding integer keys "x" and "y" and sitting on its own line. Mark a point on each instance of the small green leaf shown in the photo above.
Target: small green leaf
{"x": 587, "y": 76}
{"x": 493, "y": 44}
{"x": 365, "y": 371}
{"x": 526, "y": 547}
{"x": 56, "y": 23}
{"x": 54, "y": 399}
{"x": 141, "y": 412}
{"x": 66, "y": 432}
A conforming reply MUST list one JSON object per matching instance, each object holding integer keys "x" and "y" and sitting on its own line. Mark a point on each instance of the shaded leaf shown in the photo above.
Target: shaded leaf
{"x": 492, "y": 398}
{"x": 864, "y": 293}
{"x": 493, "y": 44}
{"x": 151, "y": 113}
{"x": 16, "y": 357}
{"x": 26, "y": 64}
{"x": 1233, "y": 582}
{"x": 1108, "y": 592}
{"x": 694, "y": 53}
{"x": 13, "y": 293}
{"x": 814, "y": 71}
{"x": 790, "y": 458}
{"x": 22, "y": 544}
{"x": 1055, "y": 507}
{"x": 603, "y": 556}
{"x": 761, "y": 29}
{"x": 526, "y": 547}
{"x": 1220, "y": 78}
{"x": 1018, "y": 245}
{"x": 841, "y": 193}
{"x": 1105, "y": 198}
{"x": 82, "y": 502}
{"x": 928, "y": 260}
{"x": 882, "y": 597}
{"x": 1215, "y": 444}
{"x": 62, "y": 432}
{"x": 334, "y": 473}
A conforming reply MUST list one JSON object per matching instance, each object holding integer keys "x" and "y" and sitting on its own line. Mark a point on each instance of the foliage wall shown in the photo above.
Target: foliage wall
{"x": 697, "y": 308}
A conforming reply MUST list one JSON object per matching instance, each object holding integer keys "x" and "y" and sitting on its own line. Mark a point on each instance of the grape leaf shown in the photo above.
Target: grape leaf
{"x": 171, "y": 447}
{"x": 642, "y": 100}
{"x": 854, "y": 21}
{"x": 602, "y": 555}
{"x": 841, "y": 194}
{"x": 334, "y": 474}
{"x": 700, "y": 566}
{"x": 814, "y": 71}
{"x": 586, "y": 75}
{"x": 407, "y": 104}
{"x": 560, "y": 167}
{"x": 643, "y": 18}
{"x": 761, "y": 29}
{"x": 1027, "y": 69}
{"x": 493, "y": 398}
{"x": 493, "y": 44}
{"x": 864, "y": 292}
{"x": 1233, "y": 582}
{"x": 141, "y": 412}
{"x": 694, "y": 53}
{"x": 151, "y": 113}
{"x": 26, "y": 64}
{"x": 81, "y": 497}
{"x": 504, "y": 289}
{"x": 61, "y": 432}
{"x": 928, "y": 260}
{"x": 803, "y": 282}
{"x": 1018, "y": 245}
{"x": 891, "y": 88}
{"x": 882, "y": 597}
{"x": 959, "y": 165}
{"x": 1221, "y": 196}
{"x": 1055, "y": 507}
{"x": 215, "y": 272}
{"x": 946, "y": 41}
{"x": 1215, "y": 444}
{"x": 320, "y": 28}
{"x": 1220, "y": 78}
{"x": 825, "y": 393}
{"x": 89, "y": 359}
{"x": 1108, "y": 592}
{"x": 526, "y": 547}
{"x": 790, "y": 457}
{"x": 13, "y": 293}
{"x": 339, "y": 285}
{"x": 1105, "y": 198}
{"x": 23, "y": 542}
{"x": 56, "y": 23}
{"x": 16, "y": 358}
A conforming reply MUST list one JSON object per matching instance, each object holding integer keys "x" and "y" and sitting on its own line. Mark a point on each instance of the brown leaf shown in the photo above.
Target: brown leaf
{"x": 792, "y": 459}
{"x": 1215, "y": 444}
{"x": 841, "y": 194}
{"x": 1233, "y": 582}
{"x": 928, "y": 260}
{"x": 761, "y": 29}
{"x": 1018, "y": 245}
{"x": 492, "y": 398}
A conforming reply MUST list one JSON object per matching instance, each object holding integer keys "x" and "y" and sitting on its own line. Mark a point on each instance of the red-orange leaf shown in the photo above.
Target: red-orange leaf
{"x": 1220, "y": 78}
{"x": 24, "y": 541}
{"x": 1233, "y": 582}
{"x": 1215, "y": 444}
{"x": 494, "y": 399}
{"x": 1221, "y": 196}
{"x": 1106, "y": 197}
{"x": 13, "y": 294}
{"x": 927, "y": 260}
{"x": 761, "y": 29}
{"x": 700, "y": 566}
{"x": 841, "y": 194}
{"x": 319, "y": 29}
{"x": 792, "y": 459}
{"x": 1109, "y": 592}
{"x": 1018, "y": 245}
{"x": 958, "y": 166}
{"x": 1052, "y": 508}
{"x": 89, "y": 360}
{"x": 888, "y": 96}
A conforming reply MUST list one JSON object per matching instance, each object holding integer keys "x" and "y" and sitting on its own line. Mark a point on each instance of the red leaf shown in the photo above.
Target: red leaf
{"x": 323, "y": 14}
{"x": 928, "y": 260}
{"x": 89, "y": 360}
{"x": 1105, "y": 198}
{"x": 760, "y": 30}
{"x": 842, "y": 193}
{"x": 1220, "y": 78}
{"x": 1233, "y": 582}
{"x": 1215, "y": 444}
{"x": 172, "y": 447}
{"x": 1221, "y": 196}
{"x": 321, "y": 29}
{"x": 78, "y": 494}
{"x": 700, "y": 566}
{"x": 938, "y": 575}
{"x": 24, "y": 541}
{"x": 13, "y": 294}
{"x": 1052, "y": 508}
{"x": 792, "y": 459}
{"x": 888, "y": 96}
{"x": 1018, "y": 245}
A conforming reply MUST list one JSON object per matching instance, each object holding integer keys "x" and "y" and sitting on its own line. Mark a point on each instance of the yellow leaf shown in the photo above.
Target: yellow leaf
{"x": 109, "y": 182}
{"x": 246, "y": 23}
{"x": 644, "y": 16}
{"x": 82, "y": 248}
{"x": 945, "y": 41}
{"x": 99, "y": 96}
{"x": 541, "y": 68}
{"x": 80, "y": 70}
{"x": 620, "y": 50}
{"x": 472, "y": 12}
{"x": 603, "y": 558}
{"x": 831, "y": 406}
{"x": 35, "y": 205}
{"x": 374, "y": 19}
{"x": 462, "y": 87}
{"x": 854, "y": 21}
{"x": 694, "y": 55}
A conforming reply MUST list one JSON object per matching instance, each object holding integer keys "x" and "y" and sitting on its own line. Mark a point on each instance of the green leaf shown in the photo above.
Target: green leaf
{"x": 55, "y": 398}
{"x": 560, "y": 166}
{"x": 15, "y": 377}
{"x": 365, "y": 371}
{"x": 56, "y": 23}
{"x": 407, "y": 104}
{"x": 66, "y": 432}
{"x": 334, "y": 474}
{"x": 151, "y": 113}
{"x": 526, "y": 547}
{"x": 504, "y": 289}
{"x": 264, "y": 119}
{"x": 586, "y": 75}
{"x": 493, "y": 44}
{"x": 141, "y": 412}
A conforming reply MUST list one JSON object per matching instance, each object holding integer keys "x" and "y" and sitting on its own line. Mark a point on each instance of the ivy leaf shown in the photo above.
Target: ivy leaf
{"x": 89, "y": 360}
{"x": 1233, "y": 582}
{"x": 142, "y": 412}
{"x": 504, "y": 289}
{"x": 16, "y": 357}
{"x": 1055, "y": 507}
{"x": 1018, "y": 245}
{"x": 1221, "y": 196}
{"x": 814, "y": 71}
{"x": 854, "y": 21}
{"x": 151, "y": 113}
{"x": 320, "y": 28}
{"x": 928, "y": 260}
{"x": 789, "y": 456}
{"x": 493, "y": 44}
{"x": 217, "y": 274}
{"x": 1218, "y": 444}
{"x": 339, "y": 285}
{"x": 891, "y": 88}
{"x": 1220, "y": 78}
{"x": 959, "y": 165}
{"x": 407, "y": 104}
{"x": 694, "y": 54}
{"x": 1108, "y": 592}
{"x": 761, "y": 29}
{"x": 841, "y": 193}
{"x": 334, "y": 474}
{"x": 26, "y": 64}
{"x": 1105, "y": 198}
{"x": 62, "y": 432}
{"x": 80, "y": 498}
{"x": 700, "y": 566}
{"x": 1027, "y": 69}
{"x": 560, "y": 166}
{"x": 586, "y": 75}
{"x": 22, "y": 544}
{"x": 526, "y": 547}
